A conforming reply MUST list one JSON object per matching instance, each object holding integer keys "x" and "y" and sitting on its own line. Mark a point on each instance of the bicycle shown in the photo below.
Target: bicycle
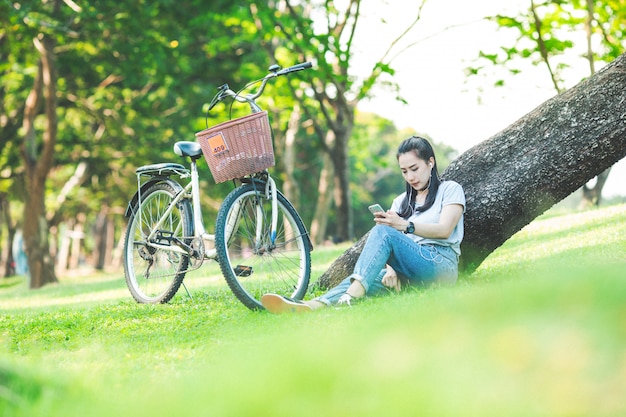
{"x": 261, "y": 243}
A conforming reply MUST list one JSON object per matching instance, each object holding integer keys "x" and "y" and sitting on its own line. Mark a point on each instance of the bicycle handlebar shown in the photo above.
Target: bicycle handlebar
{"x": 274, "y": 71}
{"x": 294, "y": 68}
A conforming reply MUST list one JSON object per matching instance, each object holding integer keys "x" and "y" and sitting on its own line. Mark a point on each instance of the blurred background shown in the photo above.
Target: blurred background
{"x": 90, "y": 92}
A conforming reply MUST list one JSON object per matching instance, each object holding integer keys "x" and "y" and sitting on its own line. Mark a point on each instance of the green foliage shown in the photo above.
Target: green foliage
{"x": 132, "y": 79}
{"x": 136, "y": 76}
{"x": 535, "y": 331}
{"x": 551, "y": 33}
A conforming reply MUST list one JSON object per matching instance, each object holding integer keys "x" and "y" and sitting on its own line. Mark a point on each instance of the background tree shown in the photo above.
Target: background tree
{"x": 112, "y": 78}
{"x": 288, "y": 28}
{"x": 519, "y": 173}
{"x": 132, "y": 77}
{"x": 557, "y": 34}
{"x": 11, "y": 115}
{"x": 38, "y": 149}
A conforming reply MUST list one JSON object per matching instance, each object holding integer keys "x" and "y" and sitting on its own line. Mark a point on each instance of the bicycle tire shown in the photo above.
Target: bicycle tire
{"x": 153, "y": 275}
{"x": 253, "y": 268}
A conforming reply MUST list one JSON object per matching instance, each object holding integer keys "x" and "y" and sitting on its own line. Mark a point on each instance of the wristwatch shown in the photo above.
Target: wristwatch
{"x": 410, "y": 228}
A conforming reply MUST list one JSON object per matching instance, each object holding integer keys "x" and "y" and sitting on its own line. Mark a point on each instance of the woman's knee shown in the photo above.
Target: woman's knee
{"x": 380, "y": 231}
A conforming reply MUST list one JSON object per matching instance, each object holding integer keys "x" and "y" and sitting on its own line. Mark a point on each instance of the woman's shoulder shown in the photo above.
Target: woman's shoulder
{"x": 452, "y": 191}
{"x": 452, "y": 185}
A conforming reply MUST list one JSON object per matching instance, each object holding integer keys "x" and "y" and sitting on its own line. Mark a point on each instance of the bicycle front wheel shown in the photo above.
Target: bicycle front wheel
{"x": 254, "y": 262}
{"x": 153, "y": 267}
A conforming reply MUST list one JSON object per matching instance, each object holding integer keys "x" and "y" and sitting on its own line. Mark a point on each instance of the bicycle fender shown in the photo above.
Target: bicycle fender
{"x": 145, "y": 186}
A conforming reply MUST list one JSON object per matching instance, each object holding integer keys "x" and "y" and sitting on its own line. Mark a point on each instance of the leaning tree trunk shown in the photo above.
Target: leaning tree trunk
{"x": 519, "y": 173}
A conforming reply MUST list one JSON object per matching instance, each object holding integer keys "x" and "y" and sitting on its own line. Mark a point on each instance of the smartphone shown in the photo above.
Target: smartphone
{"x": 375, "y": 208}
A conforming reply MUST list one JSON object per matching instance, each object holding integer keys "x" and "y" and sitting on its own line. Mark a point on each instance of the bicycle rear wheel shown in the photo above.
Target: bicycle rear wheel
{"x": 154, "y": 273}
{"x": 251, "y": 261}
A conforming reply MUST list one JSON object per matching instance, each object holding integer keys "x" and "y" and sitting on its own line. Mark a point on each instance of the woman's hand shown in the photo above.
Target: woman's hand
{"x": 391, "y": 218}
{"x": 390, "y": 280}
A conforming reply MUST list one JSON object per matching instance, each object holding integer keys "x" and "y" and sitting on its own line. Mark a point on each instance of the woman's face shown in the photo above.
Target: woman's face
{"x": 415, "y": 171}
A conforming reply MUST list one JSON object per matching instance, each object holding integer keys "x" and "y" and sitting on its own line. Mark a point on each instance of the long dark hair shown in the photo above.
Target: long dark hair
{"x": 423, "y": 150}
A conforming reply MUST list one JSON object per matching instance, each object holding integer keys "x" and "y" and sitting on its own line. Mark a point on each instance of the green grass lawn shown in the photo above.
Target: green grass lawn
{"x": 538, "y": 330}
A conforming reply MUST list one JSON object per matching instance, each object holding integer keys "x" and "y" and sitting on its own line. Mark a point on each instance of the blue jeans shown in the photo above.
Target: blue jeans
{"x": 414, "y": 263}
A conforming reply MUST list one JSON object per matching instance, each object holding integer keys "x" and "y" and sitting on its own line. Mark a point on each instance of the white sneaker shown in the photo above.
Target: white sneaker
{"x": 345, "y": 300}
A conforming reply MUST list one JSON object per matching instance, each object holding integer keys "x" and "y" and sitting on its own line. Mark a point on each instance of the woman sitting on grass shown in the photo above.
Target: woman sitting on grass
{"x": 416, "y": 242}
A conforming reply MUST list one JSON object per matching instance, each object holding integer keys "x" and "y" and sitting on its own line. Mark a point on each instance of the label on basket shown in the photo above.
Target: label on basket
{"x": 217, "y": 144}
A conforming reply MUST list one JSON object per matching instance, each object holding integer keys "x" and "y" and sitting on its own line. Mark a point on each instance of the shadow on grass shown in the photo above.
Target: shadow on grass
{"x": 11, "y": 282}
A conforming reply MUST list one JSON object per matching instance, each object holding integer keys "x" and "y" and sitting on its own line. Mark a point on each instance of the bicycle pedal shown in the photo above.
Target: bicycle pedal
{"x": 243, "y": 270}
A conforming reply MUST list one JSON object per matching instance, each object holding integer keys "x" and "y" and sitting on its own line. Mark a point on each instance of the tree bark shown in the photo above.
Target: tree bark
{"x": 592, "y": 195}
{"x": 290, "y": 188}
{"x": 341, "y": 166}
{"x": 7, "y": 268}
{"x": 103, "y": 242}
{"x": 38, "y": 161}
{"x": 65, "y": 242}
{"x": 325, "y": 190}
{"x": 519, "y": 173}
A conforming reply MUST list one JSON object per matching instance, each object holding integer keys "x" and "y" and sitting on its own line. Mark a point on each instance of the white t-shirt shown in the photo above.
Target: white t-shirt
{"x": 449, "y": 192}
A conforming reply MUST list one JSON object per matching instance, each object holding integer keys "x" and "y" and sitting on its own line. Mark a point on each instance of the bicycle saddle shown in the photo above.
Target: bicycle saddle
{"x": 190, "y": 149}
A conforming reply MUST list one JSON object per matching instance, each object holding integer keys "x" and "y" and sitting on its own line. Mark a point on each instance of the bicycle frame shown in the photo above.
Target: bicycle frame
{"x": 191, "y": 189}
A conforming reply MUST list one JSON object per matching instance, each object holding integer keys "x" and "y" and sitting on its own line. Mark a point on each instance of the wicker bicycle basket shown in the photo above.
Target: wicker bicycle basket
{"x": 238, "y": 147}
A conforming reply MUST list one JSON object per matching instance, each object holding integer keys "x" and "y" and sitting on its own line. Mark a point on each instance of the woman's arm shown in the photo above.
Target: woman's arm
{"x": 448, "y": 220}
